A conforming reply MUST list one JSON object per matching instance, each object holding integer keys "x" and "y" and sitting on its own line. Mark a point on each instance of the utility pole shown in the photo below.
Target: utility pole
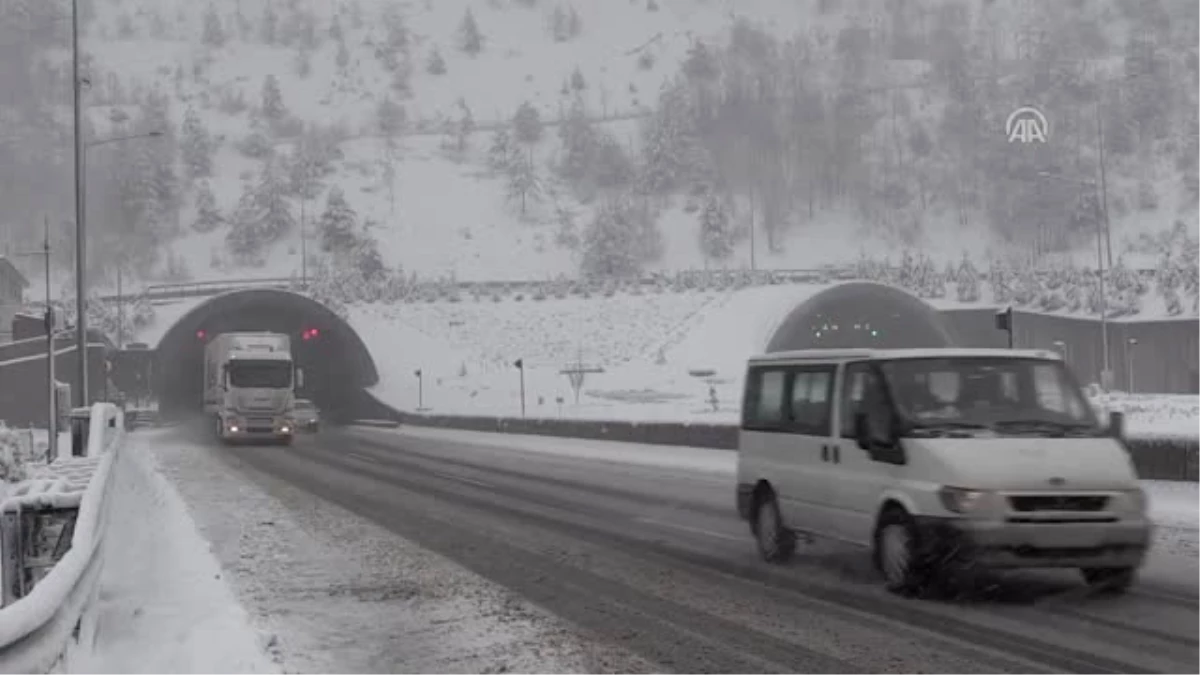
{"x": 1104, "y": 187}
{"x": 120, "y": 312}
{"x": 80, "y": 215}
{"x": 52, "y": 385}
{"x": 303, "y": 245}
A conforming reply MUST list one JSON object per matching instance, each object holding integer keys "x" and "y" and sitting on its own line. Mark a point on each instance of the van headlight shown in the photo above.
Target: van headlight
{"x": 960, "y": 500}
{"x": 1137, "y": 500}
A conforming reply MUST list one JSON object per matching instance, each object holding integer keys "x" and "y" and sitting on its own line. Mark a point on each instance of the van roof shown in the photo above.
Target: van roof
{"x": 927, "y": 353}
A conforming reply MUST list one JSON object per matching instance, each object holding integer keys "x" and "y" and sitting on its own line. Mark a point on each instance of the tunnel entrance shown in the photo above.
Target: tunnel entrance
{"x": 861, "y": 314}
{"x": 337, "y": 365}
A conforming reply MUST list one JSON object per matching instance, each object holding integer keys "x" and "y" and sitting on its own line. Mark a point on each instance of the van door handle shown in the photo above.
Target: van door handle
{"x": 824, "y": 453}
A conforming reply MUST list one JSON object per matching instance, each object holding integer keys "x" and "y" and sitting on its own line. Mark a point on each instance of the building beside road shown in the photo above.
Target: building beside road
{"x": 12, "y": 296}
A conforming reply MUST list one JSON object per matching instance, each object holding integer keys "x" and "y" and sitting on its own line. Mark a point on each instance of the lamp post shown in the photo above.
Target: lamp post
{"x": 520, "y": 365}
{"x": 1101, "y": 227}
{"x": 1129, "y": 345}
{"x": 420, "y": 389}
{"x": 81, "y": 149}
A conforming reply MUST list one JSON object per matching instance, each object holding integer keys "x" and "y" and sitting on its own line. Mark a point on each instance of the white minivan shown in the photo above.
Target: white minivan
{"x": 938, "y": 457}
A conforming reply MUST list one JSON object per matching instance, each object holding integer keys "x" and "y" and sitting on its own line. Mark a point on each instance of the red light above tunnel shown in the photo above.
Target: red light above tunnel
{"x": 311, "y": 334}
{"x": 200, "y": 334}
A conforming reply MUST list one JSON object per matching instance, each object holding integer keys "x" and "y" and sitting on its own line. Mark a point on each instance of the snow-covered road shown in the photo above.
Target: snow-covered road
{"x": 631, "y": 553}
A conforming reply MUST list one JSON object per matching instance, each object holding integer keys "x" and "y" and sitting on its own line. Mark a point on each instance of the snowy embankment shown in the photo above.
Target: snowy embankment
{"x": 164, "y": 605}
{"x": 665, "y": 358}
{"x": 219, "y": 568}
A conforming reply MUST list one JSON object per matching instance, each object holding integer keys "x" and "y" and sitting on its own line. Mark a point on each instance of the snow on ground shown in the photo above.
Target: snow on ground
{"x": 466, "y": 352}
{"x": 336, "y": 593}
{"x": 164, "y": 604}
{"x": 1155, "y": 415}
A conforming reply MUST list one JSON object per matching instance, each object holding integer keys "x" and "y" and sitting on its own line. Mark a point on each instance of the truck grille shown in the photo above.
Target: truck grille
{"x": 1078, "y": 503}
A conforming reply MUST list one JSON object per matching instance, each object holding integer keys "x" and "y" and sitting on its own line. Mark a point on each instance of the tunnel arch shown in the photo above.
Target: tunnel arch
{"x": 861, "y": 314}
{"x": 337, "y": 364}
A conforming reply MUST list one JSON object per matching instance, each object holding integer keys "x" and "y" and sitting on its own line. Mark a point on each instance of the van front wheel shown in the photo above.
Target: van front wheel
{"x": 776, "y": 543}
{"x": 897, "y": 552}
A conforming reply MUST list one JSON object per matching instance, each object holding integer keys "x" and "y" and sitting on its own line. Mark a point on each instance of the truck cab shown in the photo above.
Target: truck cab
{"x": 251, "y": 382}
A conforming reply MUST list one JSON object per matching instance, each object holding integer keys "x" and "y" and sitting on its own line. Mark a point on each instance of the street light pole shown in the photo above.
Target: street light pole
{"x": 82, "y": 397}
{"x": 1129, "y": 345}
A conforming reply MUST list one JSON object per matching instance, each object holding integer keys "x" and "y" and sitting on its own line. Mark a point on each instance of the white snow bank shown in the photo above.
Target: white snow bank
{"x": 164, "y": 606}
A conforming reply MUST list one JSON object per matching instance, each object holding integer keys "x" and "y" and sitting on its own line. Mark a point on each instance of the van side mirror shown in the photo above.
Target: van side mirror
{"x": 1116, "y": 425}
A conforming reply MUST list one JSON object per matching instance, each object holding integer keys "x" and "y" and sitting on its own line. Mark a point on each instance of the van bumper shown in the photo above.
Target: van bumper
{"x": 1011, "y": 545}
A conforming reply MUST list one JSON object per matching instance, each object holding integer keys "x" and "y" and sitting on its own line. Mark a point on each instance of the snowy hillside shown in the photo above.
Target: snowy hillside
{"x": 501, "y": 139}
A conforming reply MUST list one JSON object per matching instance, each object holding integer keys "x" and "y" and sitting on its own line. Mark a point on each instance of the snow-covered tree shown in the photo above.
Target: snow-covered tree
{"x": 527, "y": 124}
{"x": 671, "y": 153}
{"x": 716, "y": 234}
{"x": 335, "y": 28}
{"x": 245, "y": 240}
{"x": 342, "y": 58}
{"x": 390, "y": 117}
{"x": 338, "y": 224}
{"x": 269, "y": 28}
{"x": 470, "y": 40}
{"x": 500, "y": 153}
{"x": 464, "y": 126}
{"x": 214, "y": 33}
{"x": 436, "y": 64}
{"x": 578, "y": 84}
{"x": 207, "y": 215}
{"x": 523, "y": 182}
{"x": 272, "y": 100}
{"x": 620, "y": 239}
{"x": 967, "y": 278}
{"x": 196, "y": 147}
{"x": 271, "y": 194}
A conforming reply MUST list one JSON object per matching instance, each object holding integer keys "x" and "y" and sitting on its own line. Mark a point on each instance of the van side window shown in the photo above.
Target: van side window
{"x": 858, "y": 380}
{"x": 764, "y": 399}
{"x": 810, "y": 405}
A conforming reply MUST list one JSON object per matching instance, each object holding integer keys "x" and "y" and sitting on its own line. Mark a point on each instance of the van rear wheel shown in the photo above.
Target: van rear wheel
{"x": 1112, "y": 579}
{"x": 776, "y": 543}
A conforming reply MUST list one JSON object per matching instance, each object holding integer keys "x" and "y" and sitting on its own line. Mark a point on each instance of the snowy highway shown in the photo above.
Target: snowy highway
{"x": 639, "y": 565}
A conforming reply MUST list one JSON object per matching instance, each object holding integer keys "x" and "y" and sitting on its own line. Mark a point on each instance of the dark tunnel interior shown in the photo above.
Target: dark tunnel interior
{"x": 337, "y": 365}
{"x": 861, "y": 314}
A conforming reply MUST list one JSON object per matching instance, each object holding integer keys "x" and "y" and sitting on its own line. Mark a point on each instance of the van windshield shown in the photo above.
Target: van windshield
{"x": 1004, "y": 394}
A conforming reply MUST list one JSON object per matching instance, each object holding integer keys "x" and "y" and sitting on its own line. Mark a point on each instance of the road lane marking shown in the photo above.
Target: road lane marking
{"x": 694, "y": 530}
{"x": 365, "y": 458}
{"x": 461, "y": 479}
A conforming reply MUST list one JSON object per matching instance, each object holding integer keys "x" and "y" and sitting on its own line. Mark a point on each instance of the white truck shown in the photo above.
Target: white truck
{"x": 249, "y": 386}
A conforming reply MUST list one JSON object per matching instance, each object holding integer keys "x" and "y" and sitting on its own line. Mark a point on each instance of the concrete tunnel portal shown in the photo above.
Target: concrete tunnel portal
{"x": 861, "y": 314}
{"x": 337, "y": 364}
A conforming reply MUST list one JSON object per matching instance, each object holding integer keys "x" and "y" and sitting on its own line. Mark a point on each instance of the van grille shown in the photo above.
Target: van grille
{"x": 1027, "y": 503}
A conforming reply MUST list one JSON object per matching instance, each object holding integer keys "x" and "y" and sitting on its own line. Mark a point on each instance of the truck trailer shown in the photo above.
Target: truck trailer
{"x": 249, "y": 386}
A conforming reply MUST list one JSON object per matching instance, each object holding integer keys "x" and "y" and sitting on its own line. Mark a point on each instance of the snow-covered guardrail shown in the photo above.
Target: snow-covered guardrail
{"x": 43, "y": 615}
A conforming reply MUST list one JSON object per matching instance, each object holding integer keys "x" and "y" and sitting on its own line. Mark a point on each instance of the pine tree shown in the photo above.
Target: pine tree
{"x": 620, "y": 240}
{"x": 574, "y": 23}
{"x": 342, "y": 58}
{"x": 469, "y": 38}
{"x": 214, "y": 32}
{"x": 271, "y": 196}
{"x": 527, "y": 124}
{"x": 560, "y": 27}
{"x": 716, "y": 236}
{"x": 577, "y": 82}
{"x": 208, "y": 218}
{"x": 269, "y": 29}
{"x": 272, "y": 100}
{"x": 390, "y": 117}
{"x": 500, "y": 154}
{"x": 335, "y": 28}
{"x": 967, "y": 278}
{"x": 244, "y": 239}
{"x": 523, "y": 182}
{"x": 338, "y": 224}
{"x": 197, "y": 147}
{"x": 436, "y": 64}
{"x": 464, "y": 127}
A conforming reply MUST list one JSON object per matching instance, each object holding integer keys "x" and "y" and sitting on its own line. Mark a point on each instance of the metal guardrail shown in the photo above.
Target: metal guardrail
{"x": 46, "y": 615}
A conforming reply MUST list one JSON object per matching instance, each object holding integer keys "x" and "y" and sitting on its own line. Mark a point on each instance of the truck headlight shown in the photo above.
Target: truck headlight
{"x": 960, "y": 500}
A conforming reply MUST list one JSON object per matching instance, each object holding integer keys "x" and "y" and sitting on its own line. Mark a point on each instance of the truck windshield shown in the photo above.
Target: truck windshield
{"x": 987, "y": 392}
{"x": 260, "y": 374}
